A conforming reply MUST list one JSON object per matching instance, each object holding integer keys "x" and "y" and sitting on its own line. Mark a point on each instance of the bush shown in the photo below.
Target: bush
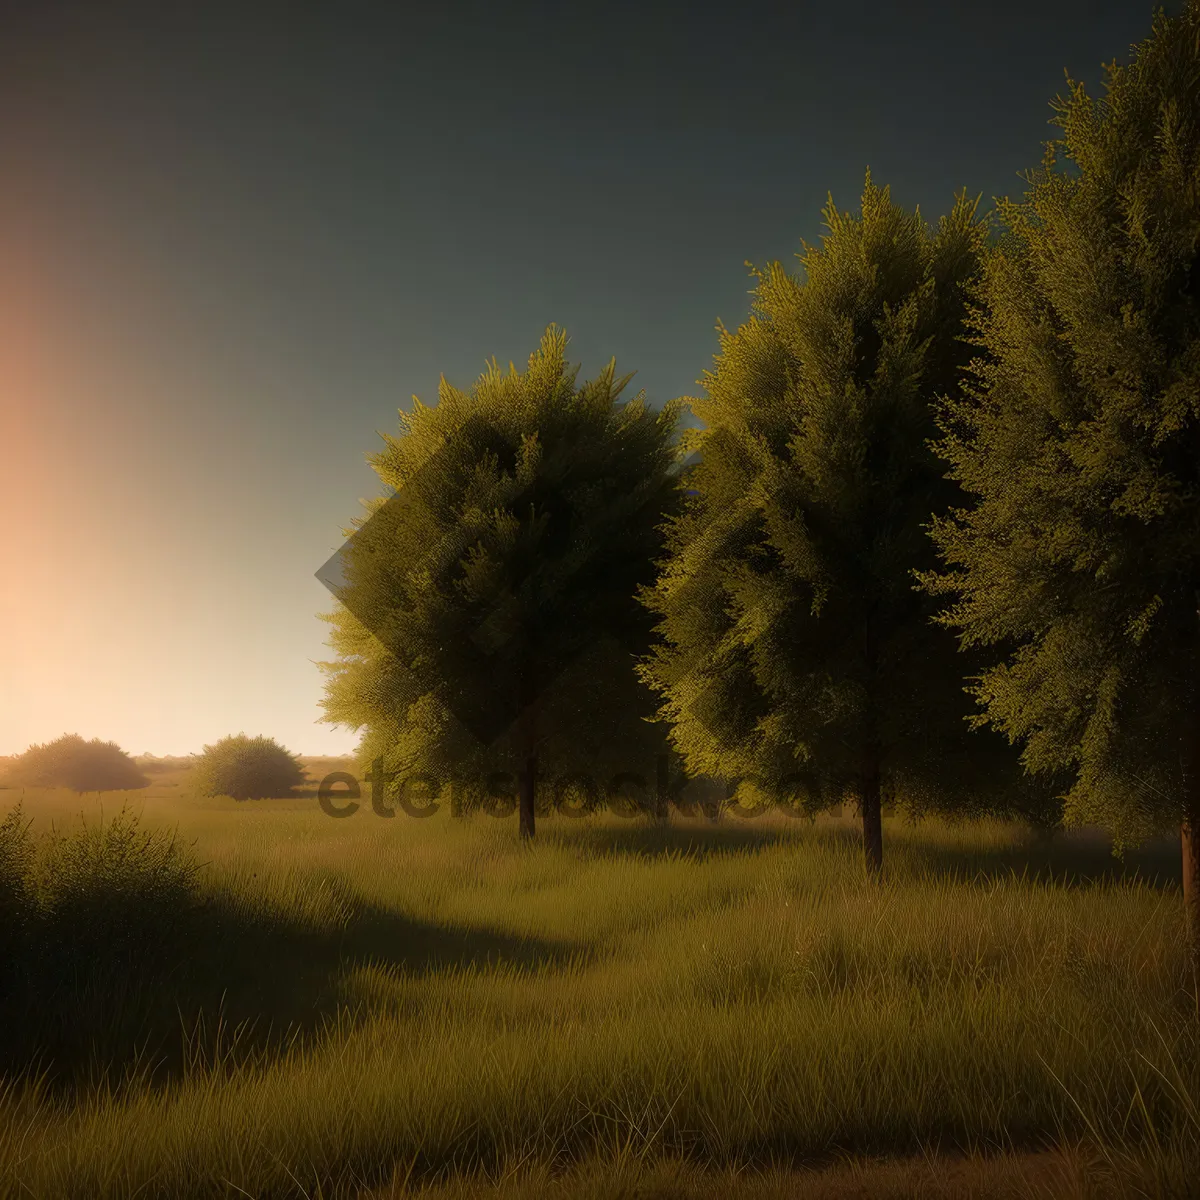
{"x": 71, "y": 762}
{"x": 17, "y": 901}
{"x": 86, "y": 920}
{"x": 247, "y": 768}
{"x": 108, "y": 895}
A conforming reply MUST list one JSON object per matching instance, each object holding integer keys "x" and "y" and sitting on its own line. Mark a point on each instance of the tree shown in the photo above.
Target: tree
{"x": 1079, "y": 442}
{"x": 83, "y": 766}
{"x": 247, "y": 768}
{"x": 794, "y": 646}
{"x": 488, "y": 612}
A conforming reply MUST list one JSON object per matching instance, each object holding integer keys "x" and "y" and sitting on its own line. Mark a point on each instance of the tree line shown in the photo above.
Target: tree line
{"x": 936, "y": 544}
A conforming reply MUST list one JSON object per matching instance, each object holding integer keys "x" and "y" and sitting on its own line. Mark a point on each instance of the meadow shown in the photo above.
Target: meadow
{"x": 279, "y": 1004}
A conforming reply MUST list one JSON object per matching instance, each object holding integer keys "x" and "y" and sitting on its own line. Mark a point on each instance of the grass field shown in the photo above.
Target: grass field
{"x": 377, "y": 1008}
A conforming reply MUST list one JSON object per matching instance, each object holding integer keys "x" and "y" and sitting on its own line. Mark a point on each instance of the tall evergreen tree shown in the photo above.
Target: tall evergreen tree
{"x": 489, "y": 615}
{"x": 1079, "y": 440}
{"x": 794, "y": 647}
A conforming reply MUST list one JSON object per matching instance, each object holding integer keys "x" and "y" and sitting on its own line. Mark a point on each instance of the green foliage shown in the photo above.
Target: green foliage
{"x": 102, "y": 894}
{"x": 81, "y": 914}
{"x": 793, "y": 639}
{"x": 17, "y": 897}
{"x": 500, "y": 580}
{"x": 71, "y": 762}
{"x": 247, "y": 768}
{"x": 107, "y": 893}
{"x": 1078, "y": 439}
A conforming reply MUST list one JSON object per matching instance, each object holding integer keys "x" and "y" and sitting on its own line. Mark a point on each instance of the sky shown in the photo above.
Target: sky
{"x": 236, "y": 239}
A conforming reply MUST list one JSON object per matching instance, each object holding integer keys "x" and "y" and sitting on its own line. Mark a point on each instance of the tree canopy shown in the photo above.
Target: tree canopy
{"x": 488, "y": 612}
{"x": 795, "y": 647}
{"x": 1078, "y": 442}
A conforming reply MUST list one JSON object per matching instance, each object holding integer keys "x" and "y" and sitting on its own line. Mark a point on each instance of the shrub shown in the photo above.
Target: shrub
{"x": 247, "y": 768}
{"x": 93, "y": 924}
{"x": 110, "y": 895}
{"x": 17, "y": 902}
{"x": 71, "y": 762}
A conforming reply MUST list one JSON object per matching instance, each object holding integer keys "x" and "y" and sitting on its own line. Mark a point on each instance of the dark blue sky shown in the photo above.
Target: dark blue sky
{"x": 238, "y": 238}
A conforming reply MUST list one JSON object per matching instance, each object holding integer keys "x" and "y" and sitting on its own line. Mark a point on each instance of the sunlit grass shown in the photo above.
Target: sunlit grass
{"x": 366, "y": 1001}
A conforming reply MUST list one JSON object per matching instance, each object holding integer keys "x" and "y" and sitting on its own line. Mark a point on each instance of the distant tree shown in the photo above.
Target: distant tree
{"x": 795, "y": 647}
{"x": 489, "y": 617}
{"x": 1079, "y": 441}
{"x": 247, "y": 768}
{"x": 82, "y": 766}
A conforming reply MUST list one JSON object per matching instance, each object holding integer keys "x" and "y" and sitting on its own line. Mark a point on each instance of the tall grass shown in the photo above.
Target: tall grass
{"x": 355, "y": 1004}
{"x": 94, "y": 920}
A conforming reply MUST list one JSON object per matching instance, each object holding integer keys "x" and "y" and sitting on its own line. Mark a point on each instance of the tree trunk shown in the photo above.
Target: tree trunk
{"x": 528, "y": 795}
{"x": 528, "y": 748}
{"x": 872, "y": 809}
{"x": 662, "y": 792}
{"x": 1190, "y": 839}
{"x": 872, "y": 816}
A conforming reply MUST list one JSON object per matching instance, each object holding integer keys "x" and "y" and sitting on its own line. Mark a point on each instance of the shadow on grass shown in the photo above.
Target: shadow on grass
{"x": 697, "y": 839}
{"x": 1066, "y": 859}
{"x": 290, "y": 972}
{"x": 1069, "y": 860}
{"x": 266, "y": 976}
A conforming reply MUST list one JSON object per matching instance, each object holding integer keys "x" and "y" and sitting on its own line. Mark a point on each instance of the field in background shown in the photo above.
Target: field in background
{"x": 364, "y": 1001}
